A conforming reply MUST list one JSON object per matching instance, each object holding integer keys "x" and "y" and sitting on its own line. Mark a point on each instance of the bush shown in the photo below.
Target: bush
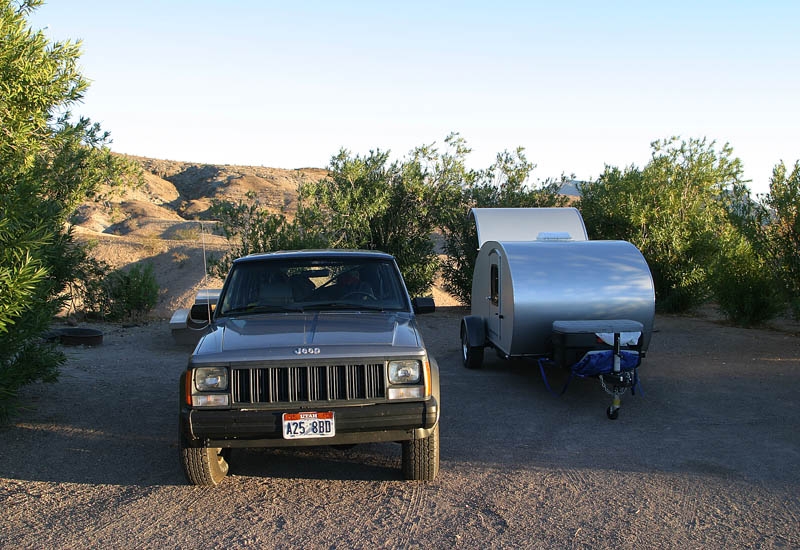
{"x": 366, "y": 202}
{"x": 370, "y": 203}
{"x": 780, "y": 227}
{"x": 114, "y": 295}
{"x": 250, "y": 228}
{"x": 675, "y": 210}
{"x": 85, "y": 292}
{"x": 49, "y": 164}
{"x": 745, "y": 289}
{"x": 772, "y": 230}
{"x": 130, "y": 294}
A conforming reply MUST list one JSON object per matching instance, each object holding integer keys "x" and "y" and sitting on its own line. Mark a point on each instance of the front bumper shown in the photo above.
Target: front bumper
{"x": 400, "y": 421}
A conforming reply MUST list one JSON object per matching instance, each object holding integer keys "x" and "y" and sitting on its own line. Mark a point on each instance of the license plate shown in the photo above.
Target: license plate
{"x": 306, "y": 425}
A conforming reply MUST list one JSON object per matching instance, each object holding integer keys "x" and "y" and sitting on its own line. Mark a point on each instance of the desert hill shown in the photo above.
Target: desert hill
{"x": 198, "y": 184}
{"x": 176, "y": 191}
{"x": 166, "y": 221}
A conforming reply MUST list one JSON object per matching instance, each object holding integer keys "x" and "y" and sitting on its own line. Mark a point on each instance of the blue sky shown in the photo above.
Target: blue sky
{"x": 578, "y": 84}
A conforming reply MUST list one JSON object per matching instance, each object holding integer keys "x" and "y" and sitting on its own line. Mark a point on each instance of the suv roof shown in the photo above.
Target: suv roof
{"x": 324, "y": 253}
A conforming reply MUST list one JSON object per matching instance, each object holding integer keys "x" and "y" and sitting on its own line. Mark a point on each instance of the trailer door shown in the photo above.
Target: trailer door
{"x": 493, "y": 323}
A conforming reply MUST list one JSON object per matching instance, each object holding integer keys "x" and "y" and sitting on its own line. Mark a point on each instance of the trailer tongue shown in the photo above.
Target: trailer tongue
{"x": 542, "y": 289}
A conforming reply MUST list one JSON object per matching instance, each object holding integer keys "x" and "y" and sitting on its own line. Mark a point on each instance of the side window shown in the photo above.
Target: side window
{"x": 495, "y": 284}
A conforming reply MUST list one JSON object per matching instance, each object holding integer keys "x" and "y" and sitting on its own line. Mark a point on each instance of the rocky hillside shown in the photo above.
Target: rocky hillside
{"x": 166, "y": 221}
{"x": 178, "y": 191}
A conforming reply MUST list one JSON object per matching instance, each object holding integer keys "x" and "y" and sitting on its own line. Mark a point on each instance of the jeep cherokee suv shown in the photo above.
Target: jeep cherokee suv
{"x": 310, "y": 348}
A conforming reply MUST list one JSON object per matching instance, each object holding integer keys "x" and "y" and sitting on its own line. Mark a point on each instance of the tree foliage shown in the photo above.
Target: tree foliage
{"x": 250, "y": 228}
{"x": 745, "y": 290}
{"x": 48, "y": 164}
{"x": 772, "y": 228}
{"x": 675, "y": 210}
{"x": 369, "y": 202}
{"x": 782, "y": 228}
{"x": 130, "y": 293}
{"x": 505, "y": 184}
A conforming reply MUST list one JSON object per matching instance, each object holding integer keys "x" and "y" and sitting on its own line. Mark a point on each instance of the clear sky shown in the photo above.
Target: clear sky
{"x": 578, "y": 84}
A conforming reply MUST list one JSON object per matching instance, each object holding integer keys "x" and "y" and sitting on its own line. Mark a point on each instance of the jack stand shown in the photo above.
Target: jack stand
{"x": 620, "y": 382}
{"x": 615, "y": 385}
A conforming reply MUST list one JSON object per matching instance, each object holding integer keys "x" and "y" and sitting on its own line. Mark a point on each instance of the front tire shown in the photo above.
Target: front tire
{"x": 205, "y": 466}
{"x": 421, "y": 457}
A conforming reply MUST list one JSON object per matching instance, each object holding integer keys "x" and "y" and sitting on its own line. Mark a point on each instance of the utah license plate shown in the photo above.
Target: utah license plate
{"x": 306, "y": 425}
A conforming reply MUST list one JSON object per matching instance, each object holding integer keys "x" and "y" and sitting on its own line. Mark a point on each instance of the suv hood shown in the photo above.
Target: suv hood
{"x": 331, "y": 332}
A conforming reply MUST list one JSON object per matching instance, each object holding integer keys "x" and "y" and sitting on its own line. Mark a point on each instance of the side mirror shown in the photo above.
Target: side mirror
{"x": 200, "y": 313}
{"x": 423, "y": 305}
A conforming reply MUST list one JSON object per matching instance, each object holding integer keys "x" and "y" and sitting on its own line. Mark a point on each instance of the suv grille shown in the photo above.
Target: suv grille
{"x": 315, "y": 383}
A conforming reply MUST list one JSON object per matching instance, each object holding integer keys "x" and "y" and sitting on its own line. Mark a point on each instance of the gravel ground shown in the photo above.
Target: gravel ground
{"x": 707, "y": 457}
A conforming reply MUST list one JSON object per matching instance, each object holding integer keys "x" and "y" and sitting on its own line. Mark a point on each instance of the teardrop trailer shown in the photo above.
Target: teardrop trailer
{"x": 542, "y": 290}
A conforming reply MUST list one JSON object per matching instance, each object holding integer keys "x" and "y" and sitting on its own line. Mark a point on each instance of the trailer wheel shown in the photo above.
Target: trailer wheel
{"x": 472, "y": 356}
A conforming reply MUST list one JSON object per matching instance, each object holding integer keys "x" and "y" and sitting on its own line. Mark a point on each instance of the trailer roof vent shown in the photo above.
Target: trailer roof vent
{"x": 553, "y": 236}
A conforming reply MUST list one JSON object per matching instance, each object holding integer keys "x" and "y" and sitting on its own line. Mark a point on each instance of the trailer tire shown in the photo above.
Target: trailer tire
{"x": 472, "y": 356}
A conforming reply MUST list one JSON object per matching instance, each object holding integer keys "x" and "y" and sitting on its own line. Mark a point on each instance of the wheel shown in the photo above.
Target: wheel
{"x": 612, "y": 415}
{"x": 421, "y": 457}
{"x": 203, "y": 465}
{"x": 472, "y": 356}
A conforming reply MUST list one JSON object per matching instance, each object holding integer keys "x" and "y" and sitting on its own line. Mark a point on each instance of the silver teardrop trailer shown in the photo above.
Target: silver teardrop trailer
{"x": 542, "y": 290}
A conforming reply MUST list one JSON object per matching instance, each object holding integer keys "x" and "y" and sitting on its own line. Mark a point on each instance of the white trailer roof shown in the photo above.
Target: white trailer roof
{"x": 528, "y": 224}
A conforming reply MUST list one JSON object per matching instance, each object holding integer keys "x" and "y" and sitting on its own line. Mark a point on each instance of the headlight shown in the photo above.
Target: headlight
{"x": 211, "y": 378}
{"x": 405, "y": 372}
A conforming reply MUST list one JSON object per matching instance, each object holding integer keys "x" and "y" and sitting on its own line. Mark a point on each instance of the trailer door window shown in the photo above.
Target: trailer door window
{"x": 495, "y": 284}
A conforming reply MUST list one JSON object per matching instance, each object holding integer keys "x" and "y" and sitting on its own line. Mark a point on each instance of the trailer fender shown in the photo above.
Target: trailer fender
{"x": 475, "y": 328}
{"x": 473, "y": 340}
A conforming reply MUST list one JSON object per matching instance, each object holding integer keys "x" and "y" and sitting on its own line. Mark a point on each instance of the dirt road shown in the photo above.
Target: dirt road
{"x": 708, "y": 457}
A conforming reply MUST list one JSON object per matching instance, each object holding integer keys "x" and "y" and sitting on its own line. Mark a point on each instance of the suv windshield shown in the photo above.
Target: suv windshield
{"x": 302, "y": 284}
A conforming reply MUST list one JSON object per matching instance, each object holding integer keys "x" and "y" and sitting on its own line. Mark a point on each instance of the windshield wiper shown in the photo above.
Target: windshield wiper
{"x": 262, "y": 309}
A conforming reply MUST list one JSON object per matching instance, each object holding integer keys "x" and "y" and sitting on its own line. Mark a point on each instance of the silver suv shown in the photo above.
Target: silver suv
{"x": 310, "y": 348}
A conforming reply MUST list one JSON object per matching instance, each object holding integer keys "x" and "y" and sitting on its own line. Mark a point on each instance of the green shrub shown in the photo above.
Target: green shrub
{"x": 49, "y": 164}
{"x": 85, "y": 294}
{"x": 187, "y": 234}
{"x": 674, "y": 210}
{"x": 780, "y": 225}
{"x": 746, "y": 291}
{"x": 250, "y": 228}
{"x": 772, "y": 229}
{"x": 114, "y": 295}
{"x": 130, "y": 294}
{"x": 368, "y": 202}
